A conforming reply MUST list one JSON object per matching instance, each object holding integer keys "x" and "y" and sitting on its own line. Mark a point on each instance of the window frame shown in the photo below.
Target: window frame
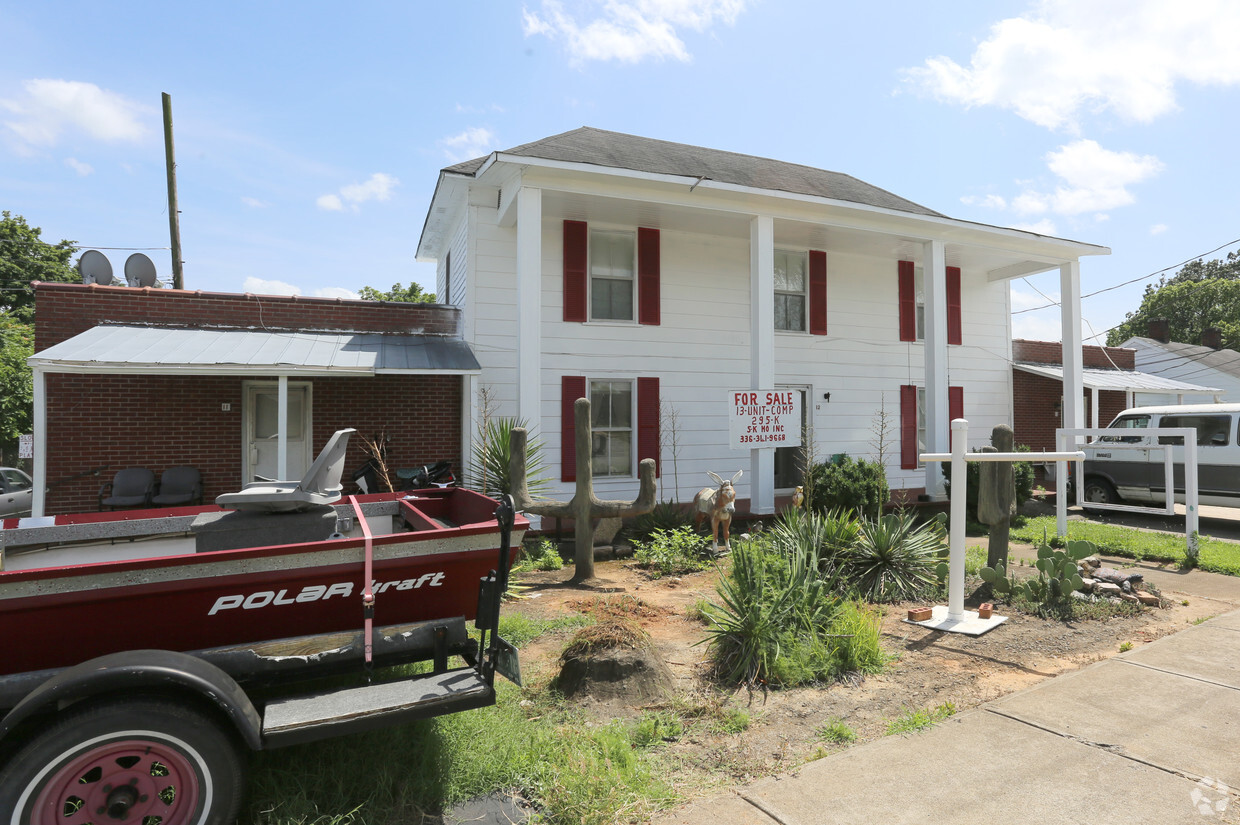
{"x": 592, "y": 231}
{"x": 632, "y": 428}
{"x": 803, "y": 293}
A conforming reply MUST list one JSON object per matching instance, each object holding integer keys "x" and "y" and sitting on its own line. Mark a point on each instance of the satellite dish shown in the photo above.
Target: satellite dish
{"x": 95, "y": 268}
{"x": 139, "y": 271}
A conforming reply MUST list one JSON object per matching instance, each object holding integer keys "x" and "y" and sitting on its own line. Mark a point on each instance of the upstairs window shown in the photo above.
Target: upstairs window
{"x": 612, "y": 256}
{"x": 790, "y": 289}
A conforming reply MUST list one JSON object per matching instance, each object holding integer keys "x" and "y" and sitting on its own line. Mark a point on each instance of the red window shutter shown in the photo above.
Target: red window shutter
{"x": 953, "y": 305}
{"x": 817, "y": 292}
{"x": 572, "y": 387}
{"x": 955, "y": 407}
{"x": 648, "y": 420}
{"x": 576, "y": 263}
{"x": 648, "y": 276}
{"x": 908, "y": 427}
{"x": 908, "y": 303}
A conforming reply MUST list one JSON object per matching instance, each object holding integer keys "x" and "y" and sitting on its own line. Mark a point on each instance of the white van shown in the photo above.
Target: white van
{"x": 1138, "y": 475}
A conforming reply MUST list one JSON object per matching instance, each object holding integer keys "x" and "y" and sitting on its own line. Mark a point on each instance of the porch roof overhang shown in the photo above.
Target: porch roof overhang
{"x": 1122, "y": 380}
{"x": 179, "y": 351}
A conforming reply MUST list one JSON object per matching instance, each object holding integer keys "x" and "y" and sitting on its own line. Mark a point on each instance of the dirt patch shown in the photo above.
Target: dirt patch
{"x": 926, "y": 669}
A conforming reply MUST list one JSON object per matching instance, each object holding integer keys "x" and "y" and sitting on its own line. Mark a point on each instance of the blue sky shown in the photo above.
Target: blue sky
{"x": 309, "y": 136}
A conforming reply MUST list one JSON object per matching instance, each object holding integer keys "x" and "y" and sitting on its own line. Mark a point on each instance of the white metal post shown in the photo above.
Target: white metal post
{"x": 762, "y": 351}
{"x": 39, "y": 501}
{"x": 955, "y": 572}
{"x": 934, "y": 278}
{"x": 282, "y": 429}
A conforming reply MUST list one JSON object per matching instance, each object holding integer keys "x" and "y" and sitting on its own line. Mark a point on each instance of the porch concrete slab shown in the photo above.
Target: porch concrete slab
{"x": 979, "y": 767}
{"x": 968, "y": 623}
{"x": 728, "y": 808}
{"x": 1174, "y": 722}
{"x": 1209, "y": 652}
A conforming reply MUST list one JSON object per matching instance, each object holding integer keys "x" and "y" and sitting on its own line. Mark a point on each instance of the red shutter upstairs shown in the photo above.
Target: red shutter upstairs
{"x": 648, "y": 420}
{"x": 576, "y": 245}
{"x": 648, "y": 276}
{"x": 572, "y": 387}
{"x": 908, "y": 304}
{"x": 955, "y": 407}
{"x": 817, "y": 292}
{"x": 908, "y": 427}
{"x": 953, "y": 306}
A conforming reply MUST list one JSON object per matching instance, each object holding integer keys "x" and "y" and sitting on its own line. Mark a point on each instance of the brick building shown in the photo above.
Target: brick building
{"x": 158, "y": 378}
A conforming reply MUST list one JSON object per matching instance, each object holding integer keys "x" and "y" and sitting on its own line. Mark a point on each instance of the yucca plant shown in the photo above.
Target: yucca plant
{"x": 894, "y": 558}
{"x": 492, "y": 449}
{"x": 825, "y": 535}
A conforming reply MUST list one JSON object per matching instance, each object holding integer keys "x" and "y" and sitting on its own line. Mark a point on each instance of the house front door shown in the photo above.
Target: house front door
{"x": 262, "y": 432}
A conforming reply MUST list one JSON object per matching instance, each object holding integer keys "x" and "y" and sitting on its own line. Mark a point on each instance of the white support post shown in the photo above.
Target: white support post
{"x": 1073, "y": 360}
{"x": 955, "y": 564}
{"x": 934, "y": 275}
{"x": 529, "y": 306}
{"x": 39, "y": 501}
{"x": 762, "y": 351}
{"x": 1093, "y": 406}
{"x": 282, "y": 429}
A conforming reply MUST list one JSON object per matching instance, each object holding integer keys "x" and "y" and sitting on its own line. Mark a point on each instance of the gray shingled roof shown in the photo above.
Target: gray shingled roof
{"x": 620, "y": 151}
{"x": 1224, "y": 360}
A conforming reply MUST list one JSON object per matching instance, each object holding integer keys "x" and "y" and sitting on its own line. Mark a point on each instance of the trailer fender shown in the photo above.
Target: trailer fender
{"x": 136, "y": 671}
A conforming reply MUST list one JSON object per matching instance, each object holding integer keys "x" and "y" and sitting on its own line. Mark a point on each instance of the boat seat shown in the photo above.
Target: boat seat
{"x": 320, "y": 485}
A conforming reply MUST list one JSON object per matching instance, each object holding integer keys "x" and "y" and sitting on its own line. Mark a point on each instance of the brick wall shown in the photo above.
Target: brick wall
{"x": 1051, "y": 352}
{"x": 158, "y": 421}
{"x": 64, "y": 310}
{"x": 1034, "y": 416}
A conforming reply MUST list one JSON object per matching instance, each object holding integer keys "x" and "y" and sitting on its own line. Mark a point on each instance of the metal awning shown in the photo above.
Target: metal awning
{"x": 163, "y": 350}
{"x": 1122, "y": 380}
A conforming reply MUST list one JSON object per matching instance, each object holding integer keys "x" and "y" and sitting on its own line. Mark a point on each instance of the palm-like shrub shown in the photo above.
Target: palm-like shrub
{"x": 492, "y": 449}
{"x": 826, "y": 535}
{"x": 894, "y": 558}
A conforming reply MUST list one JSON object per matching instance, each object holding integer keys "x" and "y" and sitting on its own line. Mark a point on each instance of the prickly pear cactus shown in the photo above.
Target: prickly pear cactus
{"x": 1058, "y": 574}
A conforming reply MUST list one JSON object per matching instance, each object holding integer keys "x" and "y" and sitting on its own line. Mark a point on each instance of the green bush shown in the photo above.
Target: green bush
{"x": 672, "y": 552}
{"x": 666, "y": 516}
{"x": 894, "y": 558}
{"x": 845, "y": 483}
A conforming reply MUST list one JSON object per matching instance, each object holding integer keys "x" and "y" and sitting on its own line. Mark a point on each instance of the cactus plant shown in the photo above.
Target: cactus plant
{"x": 1058, "y": 575}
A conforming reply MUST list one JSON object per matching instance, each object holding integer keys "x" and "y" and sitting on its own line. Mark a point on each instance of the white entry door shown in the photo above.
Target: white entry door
{"x": 262, "y": 431}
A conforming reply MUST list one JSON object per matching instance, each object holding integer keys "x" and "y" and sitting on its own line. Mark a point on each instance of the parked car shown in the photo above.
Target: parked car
{"x": 1137, "y": 475}
{"x": 16, "y": 492}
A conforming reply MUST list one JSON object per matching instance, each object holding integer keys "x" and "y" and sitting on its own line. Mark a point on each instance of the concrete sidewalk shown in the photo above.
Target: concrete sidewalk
{"x": 1148, "y": 736}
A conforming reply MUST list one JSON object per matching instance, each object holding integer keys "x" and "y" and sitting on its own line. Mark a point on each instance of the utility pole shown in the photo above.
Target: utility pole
{"x": 174, "y": 216}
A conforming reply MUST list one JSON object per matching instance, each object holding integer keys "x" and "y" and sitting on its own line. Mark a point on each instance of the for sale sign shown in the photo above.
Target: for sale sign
{"x": 764, "y": 418}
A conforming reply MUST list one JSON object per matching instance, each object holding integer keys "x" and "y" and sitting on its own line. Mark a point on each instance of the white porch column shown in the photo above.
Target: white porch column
{"x": 39, "y": 501}
{"x": 1093, "y": 407}
{"x": 1073, "y": 360}
{"x": 529, "y": 306}
{"x": 762, "y": 351}
{"x": 938, "y": 427}
{"x": 282, "y": 429}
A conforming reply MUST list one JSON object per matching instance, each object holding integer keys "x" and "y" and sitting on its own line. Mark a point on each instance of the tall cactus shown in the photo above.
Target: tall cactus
{"x": 584, "y": 506}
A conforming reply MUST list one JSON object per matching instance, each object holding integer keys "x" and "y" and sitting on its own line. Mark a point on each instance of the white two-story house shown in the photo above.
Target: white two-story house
{"x": 653, "y": 276}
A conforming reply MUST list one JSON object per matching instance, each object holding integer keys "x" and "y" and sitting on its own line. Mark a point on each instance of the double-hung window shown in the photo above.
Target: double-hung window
{"x": 611, "y": 414}
{"x": 919, "y": 293}
{"x": 612, "y": 256}
{"x": 790, "y": 289}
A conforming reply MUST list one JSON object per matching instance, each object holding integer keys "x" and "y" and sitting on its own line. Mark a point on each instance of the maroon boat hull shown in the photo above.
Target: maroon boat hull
{"x": 57, "y": 617}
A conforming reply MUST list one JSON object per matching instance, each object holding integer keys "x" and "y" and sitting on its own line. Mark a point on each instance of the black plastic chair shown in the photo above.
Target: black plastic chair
{"x": 177, "y": 486}
{"x": 131, "y": 487}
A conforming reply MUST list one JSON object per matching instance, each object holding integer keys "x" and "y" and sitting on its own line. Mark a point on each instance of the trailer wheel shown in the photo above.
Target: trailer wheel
{"x": 138, "y": 761}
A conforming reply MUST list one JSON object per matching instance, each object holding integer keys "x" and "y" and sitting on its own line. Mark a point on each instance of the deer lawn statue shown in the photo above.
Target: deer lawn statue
{"x": 719, "y": 503}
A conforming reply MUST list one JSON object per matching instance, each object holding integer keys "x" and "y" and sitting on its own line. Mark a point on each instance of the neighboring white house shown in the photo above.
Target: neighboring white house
{"x": 648, "y": 274}
{"x": 1205, "y": 364}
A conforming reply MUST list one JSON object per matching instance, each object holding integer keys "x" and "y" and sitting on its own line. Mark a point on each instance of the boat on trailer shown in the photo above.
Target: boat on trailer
{"x": 121, "y": 616}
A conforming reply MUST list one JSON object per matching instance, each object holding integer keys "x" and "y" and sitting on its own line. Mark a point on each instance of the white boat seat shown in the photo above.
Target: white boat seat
{"x": 320, "y": 485}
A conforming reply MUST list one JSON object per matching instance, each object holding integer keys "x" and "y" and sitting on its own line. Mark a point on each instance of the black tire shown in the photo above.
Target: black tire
{"x": 1099, "y": 491}
{"x": 139, "y": 757}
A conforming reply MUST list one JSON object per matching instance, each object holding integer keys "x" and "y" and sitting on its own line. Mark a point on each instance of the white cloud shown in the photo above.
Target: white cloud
{"x": 1158, "y": 229}
{"x": 78, "y": 166}
{"x": 1066, "y": 57}
{"x": 1094, "y": 179}
{"x": 986, "y": 201}
{"x": 378, "y": 187}
{"x": 1037, "y": 327}
{"x": 49, "y": 108}
{"x": 627, "y": 30}
{"x": 254, "y": 203}
{"x": 259, "y": 286}
{"x": 469, "y": 144}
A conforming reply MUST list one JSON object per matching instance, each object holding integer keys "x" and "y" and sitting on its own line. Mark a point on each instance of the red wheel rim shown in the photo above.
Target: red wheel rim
{"x": 132, "y": 780}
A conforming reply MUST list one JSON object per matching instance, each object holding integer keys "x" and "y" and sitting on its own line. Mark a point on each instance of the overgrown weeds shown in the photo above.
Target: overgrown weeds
{"x": 672, "y": 552}
{"x": 915, "y": 720}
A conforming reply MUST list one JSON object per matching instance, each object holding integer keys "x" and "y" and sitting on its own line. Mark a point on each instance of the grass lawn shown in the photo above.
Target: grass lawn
{"x": 1215, "y": 556}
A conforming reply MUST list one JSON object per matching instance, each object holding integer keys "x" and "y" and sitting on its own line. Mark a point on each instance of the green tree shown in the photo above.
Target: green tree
{"x": 16, "y": 386}
{"x": 1202, "y": 294}
{"x": 411, "y": 294}
{"x": 25, "y": 257}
